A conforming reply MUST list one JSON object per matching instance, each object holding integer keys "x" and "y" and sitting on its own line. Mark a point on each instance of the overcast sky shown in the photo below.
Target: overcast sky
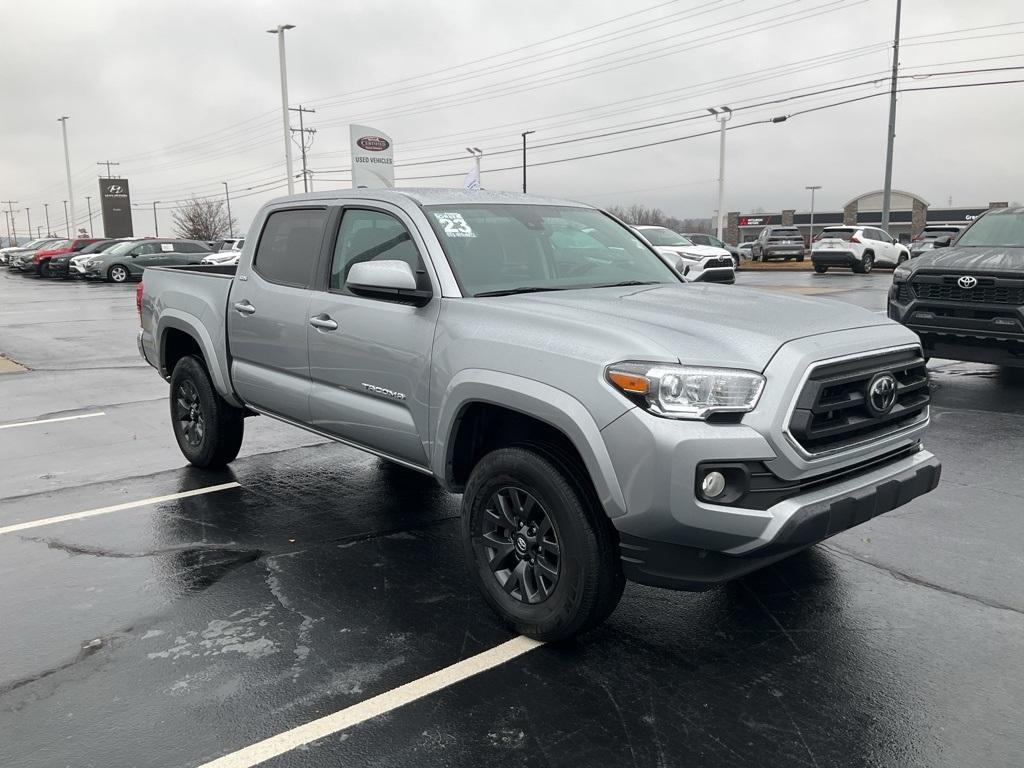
{"x": 185, "y": 94}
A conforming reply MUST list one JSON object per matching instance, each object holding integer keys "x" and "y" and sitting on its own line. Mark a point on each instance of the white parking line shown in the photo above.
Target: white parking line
{"x": 115, "y": 508}
{"x": 50, "y": 421}
{"x": 378, "y": 705}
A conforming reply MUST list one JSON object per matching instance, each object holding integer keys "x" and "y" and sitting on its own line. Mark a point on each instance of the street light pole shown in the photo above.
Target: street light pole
{"x": 88, "y": 202}
{"x": 227, "y": 196}
{"x": 28, "y": 214}
{"x": 810, "y": 230}
{"x": 722, "y": 115}
{"x": 12, "y": 231}
{"x": 156, "y": 224}
{"x": 279, "y": 31}
{"x": 67, "y": 164}
{"x": 887, "y": 189}
{"x": 67, "y": 224}
{"x": 46, "y": 210}
{"x": 477, "y": 153}
{"x": 525, "y": 134}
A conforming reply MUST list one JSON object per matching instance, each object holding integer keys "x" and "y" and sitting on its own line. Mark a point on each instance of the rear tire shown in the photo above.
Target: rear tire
{"x": 821, "y": 269}
{"x": 543, "y": 553}
{"x": 208, "y": 429}
{"x": 799, "y": 258}
{"x": 43, "y": 270}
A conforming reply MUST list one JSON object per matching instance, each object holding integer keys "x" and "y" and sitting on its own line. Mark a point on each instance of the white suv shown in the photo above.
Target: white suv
{"x": 859, "y": 248}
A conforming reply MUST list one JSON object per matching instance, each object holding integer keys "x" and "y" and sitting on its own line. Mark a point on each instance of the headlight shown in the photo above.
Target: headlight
{"x": 684, "y": 392}
{"x": 901, "y": 274}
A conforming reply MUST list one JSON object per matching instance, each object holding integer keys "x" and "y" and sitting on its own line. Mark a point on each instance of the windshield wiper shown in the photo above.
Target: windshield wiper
{"x": 524, "y": 289}
{"x": 626, "y": 283}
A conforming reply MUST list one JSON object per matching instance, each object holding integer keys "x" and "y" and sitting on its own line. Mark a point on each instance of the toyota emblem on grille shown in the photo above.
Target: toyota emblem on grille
{"x": 967, "y": 281}
{"x": 882, "y": 394}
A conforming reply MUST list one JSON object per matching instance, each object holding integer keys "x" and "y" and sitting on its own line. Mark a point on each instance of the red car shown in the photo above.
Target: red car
{"x": 41, "y": 260}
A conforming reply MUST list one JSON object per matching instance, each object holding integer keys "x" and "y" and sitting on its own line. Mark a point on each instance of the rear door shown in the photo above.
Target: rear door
{"x": 369, "y": 358}
{"x": 141, "y": 256}
{"x": 268, "y": 315}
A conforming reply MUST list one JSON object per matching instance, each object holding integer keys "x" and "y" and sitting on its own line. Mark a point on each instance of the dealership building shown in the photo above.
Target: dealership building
{"x": 908, "y": 214}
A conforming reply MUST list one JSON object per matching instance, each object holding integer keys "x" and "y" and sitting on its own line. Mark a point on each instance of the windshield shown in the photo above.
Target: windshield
{"x": 97, "y": 247}
{"x": 58, "y": 245}
{"x": 511, "y": 248}
{"x": 121, "y": 248}
{"x": 1002, "y": 229}
{"x": 663, "y": 237}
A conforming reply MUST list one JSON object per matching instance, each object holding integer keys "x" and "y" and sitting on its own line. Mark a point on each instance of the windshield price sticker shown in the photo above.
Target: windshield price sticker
{"x": 454, "y": 225}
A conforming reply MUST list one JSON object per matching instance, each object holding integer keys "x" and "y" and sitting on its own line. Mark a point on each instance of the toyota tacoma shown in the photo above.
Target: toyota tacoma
{"x": 603, "y": 419}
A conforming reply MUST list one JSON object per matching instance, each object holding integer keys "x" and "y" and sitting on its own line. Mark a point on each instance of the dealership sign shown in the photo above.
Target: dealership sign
{"x": 372, "y": 158}
{"x": 116, "y": 206}
{"x": 755, "y": 221}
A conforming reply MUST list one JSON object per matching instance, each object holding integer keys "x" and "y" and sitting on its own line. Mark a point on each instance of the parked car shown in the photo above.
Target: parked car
{"x": 778, "y": 243}
{"x": 859, "y": 248}
{"x": 227, "y": 253}
{"x": 932, "y": 232}
{"x": 60, "y": 265}
{"x": 31, "y": 245}
{"x": 701, "y": 238}
{"x": 965, "y": 298}
{"x": 701, "y": 263}
{"x": 130, "y": 258}
{"x": 602, "y": 419}
{"x": 746, "y": 249}
{"x": 40, "y": 263}
{"x": 19, "y": 257}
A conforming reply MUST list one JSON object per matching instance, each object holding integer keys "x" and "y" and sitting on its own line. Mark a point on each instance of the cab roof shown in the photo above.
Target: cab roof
{"x": 430, "y": 196}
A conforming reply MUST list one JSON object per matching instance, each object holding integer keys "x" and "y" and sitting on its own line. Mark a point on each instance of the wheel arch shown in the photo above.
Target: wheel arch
{"x": 483, "y": 410}
{"x": 178, "y": 335}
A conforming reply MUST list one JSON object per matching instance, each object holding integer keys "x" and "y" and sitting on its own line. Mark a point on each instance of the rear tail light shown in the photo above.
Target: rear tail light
{"x": 138, "y": 301}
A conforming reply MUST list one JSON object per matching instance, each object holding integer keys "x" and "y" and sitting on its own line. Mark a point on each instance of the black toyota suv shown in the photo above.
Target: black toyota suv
{"x": 965, "y": 298}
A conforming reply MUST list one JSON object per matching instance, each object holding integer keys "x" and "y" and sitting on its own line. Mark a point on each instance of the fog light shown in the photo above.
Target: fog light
{"x": 713, "y": 485}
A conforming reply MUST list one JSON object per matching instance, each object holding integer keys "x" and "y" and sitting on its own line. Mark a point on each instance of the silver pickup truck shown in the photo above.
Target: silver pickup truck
{"x": 602, "y": 419}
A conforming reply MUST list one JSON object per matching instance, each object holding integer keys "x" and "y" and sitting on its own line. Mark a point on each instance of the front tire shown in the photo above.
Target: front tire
{"x": 43, "y": 270}
{"x": 117, "y": 274}
{"x": 821, "y": 269}
{"x": 541, "y": 550}
{"x": 208, "y": 429}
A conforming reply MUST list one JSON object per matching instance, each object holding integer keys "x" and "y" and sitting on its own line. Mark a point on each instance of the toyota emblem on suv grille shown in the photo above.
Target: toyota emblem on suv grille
{"x": 967, "y": 281}
{"x": 882, "y": 394}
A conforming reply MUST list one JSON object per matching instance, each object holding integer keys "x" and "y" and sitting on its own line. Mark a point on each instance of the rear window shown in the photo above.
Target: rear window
{"x": 289, "y": 246}
{"x": 939, "y": 231}
{"x": 790, "y": 232}
{"x": 837, "y": 234}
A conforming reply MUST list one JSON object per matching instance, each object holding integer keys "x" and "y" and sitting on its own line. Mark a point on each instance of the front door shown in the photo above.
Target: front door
{"x": 369, "y": 359}
{"x": 268, "y": 315}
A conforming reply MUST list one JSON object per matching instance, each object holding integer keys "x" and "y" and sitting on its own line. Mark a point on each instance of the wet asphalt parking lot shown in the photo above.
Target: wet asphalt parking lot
{"x": 319, "y": 582}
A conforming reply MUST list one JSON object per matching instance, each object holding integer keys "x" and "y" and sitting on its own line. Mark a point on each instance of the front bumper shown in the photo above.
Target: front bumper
{"x": 795, "y": 524}
{"x": 713, "y": 275}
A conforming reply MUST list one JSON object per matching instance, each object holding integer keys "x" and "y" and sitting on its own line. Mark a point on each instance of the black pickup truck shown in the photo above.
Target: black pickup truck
{"x": 965, "y": 298}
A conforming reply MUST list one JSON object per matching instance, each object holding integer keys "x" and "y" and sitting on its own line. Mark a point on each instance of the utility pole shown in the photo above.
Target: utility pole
{"x": 525, "y": 134}
{"x": 28, "y": 214}
{"x": 7, "y": 220}
{"x": 46, "y": 209}
{"x": 279, "y": 31}
{"x": 12, "y": 231}
{"x": 156, "y": 224}
{"x": 302, "y": 130}
{"x": 477, "y": 154}
{"x": 810, "y": 230}
{"x": 107, "y": 163}
{"x": 67, "y": 224}
{"x": 227, "y": 196}
{"x": 88, "y": 202}
{"x": 722, "y": 115}
{"x": 67, "y": 165}
{"x": 887, "y": 189}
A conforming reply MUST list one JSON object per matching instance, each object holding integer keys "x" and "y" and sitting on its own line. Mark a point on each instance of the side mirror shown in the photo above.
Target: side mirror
{"x": 942, "y": 242}
{"x": 386, "y": 279}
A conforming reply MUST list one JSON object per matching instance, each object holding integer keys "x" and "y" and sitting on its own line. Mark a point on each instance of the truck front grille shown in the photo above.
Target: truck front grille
{"x": 989, "y": 290}
{"x": 833, "y": 410}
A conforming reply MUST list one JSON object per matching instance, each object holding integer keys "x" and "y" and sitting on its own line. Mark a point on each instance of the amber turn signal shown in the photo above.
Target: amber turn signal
{"x": 628, "y": 382}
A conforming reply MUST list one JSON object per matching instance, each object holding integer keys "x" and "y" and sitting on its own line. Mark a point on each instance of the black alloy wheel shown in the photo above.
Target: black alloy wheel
{"x": 520, "y": 544}
{"x": 189, "y": 413}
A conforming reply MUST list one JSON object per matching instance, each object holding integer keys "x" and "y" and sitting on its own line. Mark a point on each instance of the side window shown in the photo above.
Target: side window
{"x": 371, "y": 236}
{"x": 189, "y": 248}
{"x": 289, "y": 246}
{"x": 78, "y": 246}
{"x": 144, "y": 249}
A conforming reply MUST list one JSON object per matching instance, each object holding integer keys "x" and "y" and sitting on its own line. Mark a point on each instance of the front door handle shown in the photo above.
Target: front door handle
{"x": 323, "y": 323}
{"x": 245, "y": 308}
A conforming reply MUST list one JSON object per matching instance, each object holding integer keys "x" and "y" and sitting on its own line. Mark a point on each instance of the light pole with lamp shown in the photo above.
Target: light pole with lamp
{"x": 722, "y": 115}
{"x": 525, "y": 134}
{"x": 279, "y": 31}
{"x": 156, "y": 224}
{"x": 28, "y": 214}
{"x": 67, "y": 224}
{"x": 810, "y": 229}
{"x": 46, "y": 211}
{"x": 88, "y": 202}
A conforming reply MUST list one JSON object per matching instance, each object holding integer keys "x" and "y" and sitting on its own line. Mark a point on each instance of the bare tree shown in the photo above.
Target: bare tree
{"x": 639, "y": 215}
{"x": 202, "y": 219}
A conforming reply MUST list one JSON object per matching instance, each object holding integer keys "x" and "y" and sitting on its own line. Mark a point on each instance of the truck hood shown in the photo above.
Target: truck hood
{"x": 971, "y": 259}
{"x": 701, "y": 324}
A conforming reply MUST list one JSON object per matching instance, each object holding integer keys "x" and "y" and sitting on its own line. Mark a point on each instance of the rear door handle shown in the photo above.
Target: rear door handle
{"x": 323, "y": 323}
{"x": 245, "y": 308}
